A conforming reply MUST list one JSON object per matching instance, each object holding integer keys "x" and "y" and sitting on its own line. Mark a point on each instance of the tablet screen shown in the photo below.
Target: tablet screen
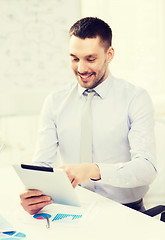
{"x": 52, "y": 182}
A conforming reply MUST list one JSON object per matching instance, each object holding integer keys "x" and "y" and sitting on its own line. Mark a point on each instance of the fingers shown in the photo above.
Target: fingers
{"x": 34, "y": 208}
{"x": 72, "y": 174}
{"x": 33, "y": 201}
{"x": 30, "y": 193}
{"x": 75, "y": 182}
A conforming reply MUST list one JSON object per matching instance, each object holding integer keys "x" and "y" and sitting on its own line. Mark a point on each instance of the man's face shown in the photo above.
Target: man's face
{"x": 89, "y": 60}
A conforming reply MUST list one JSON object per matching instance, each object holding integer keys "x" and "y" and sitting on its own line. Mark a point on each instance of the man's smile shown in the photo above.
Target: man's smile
{"x": 85, "y": 77}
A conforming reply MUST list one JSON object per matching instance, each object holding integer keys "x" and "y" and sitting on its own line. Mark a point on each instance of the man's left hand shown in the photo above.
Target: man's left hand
{"x": 78, "y": 173}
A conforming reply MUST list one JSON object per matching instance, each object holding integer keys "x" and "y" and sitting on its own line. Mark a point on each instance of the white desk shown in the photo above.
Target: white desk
{"x": 111, "y": 221}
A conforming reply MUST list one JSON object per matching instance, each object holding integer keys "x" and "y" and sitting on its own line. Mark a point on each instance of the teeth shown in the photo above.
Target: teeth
{"x": 86, "y": 76}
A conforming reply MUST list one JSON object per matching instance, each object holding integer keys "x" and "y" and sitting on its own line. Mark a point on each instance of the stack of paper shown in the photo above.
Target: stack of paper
{"x": 7, "y": 231}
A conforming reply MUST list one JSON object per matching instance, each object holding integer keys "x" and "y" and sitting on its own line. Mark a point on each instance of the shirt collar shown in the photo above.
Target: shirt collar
{"x": 102, "y": 89}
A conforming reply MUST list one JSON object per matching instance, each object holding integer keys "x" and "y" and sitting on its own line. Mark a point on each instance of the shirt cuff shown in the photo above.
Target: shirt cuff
{"x": 108, "y": 172}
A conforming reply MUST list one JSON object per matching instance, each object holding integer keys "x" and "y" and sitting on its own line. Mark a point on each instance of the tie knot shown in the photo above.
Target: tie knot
{"x": 89, "y": 92}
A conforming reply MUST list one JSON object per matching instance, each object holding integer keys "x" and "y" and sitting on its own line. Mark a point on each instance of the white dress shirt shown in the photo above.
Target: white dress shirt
{"x": 123, "y": 136}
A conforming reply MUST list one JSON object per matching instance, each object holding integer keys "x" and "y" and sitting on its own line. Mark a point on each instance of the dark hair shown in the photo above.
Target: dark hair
{"x": 91, "y": 27}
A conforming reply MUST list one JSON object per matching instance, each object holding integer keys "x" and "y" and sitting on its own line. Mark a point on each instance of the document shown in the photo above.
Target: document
{"x": 59, "y": 214}
{"x": 5, "y": 225}
{"x": 7, "y": 231}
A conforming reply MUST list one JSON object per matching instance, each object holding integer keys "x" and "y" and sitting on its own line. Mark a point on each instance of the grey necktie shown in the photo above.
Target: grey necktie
{"x": 86, "y": 136}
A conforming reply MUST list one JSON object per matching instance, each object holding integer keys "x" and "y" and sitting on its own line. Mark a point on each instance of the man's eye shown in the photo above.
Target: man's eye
{"x": 91, "y": 59}
{"x": 75, "y": 59}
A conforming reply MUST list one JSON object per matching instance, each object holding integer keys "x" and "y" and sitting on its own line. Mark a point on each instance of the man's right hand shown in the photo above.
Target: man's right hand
{"x": 34, "y": 200}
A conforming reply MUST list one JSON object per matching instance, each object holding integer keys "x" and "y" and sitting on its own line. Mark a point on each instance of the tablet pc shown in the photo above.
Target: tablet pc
{"x": 52, "y": 182}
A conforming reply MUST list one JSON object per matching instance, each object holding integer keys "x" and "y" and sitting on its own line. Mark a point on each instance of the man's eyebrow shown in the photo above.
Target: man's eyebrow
{"x": 88, "y": 56}
{"x": 72, "y": 55}
{"x": 91, "y": 55}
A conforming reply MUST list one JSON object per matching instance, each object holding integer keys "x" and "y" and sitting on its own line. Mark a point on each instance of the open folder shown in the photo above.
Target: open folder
{"x": 52, "y": 182}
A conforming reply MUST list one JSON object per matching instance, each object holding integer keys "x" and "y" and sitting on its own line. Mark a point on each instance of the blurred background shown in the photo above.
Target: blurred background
{"x": 34, "y": 59}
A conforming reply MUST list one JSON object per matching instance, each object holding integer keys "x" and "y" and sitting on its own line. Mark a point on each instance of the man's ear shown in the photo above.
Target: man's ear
{"x": 110, "y": 54}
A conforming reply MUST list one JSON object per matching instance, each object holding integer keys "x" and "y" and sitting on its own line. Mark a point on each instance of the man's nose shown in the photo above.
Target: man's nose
{"x": 82, "y": 68}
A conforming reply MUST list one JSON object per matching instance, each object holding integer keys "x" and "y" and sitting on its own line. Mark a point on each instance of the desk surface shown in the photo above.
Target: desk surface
{"x": 110, "y": 221}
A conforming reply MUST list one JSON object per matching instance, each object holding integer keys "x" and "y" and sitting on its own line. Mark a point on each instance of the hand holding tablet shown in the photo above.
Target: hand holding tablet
{"x": 53, "y": 183}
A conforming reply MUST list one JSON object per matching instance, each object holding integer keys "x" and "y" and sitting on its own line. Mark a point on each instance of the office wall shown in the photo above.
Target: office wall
{"x": 18, "y": 133}
{"x": 139, "y": 41}
{"x": 33, "y": 51}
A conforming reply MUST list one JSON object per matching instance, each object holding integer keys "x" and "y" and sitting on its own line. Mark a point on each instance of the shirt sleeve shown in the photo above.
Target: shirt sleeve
{"x": 141, "y": 169}
{"x": 47, "y": 141}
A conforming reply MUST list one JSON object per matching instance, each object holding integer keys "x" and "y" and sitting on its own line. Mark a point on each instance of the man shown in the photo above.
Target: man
{"x": 123, "y": 158}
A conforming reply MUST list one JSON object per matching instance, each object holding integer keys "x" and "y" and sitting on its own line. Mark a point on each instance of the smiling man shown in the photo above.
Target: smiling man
{"x": 89, "y": 60}
{"x": 120, "y": 163}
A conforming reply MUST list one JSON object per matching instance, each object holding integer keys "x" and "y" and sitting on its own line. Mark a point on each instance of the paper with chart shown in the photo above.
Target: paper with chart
{"x": 60, "y": 214}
